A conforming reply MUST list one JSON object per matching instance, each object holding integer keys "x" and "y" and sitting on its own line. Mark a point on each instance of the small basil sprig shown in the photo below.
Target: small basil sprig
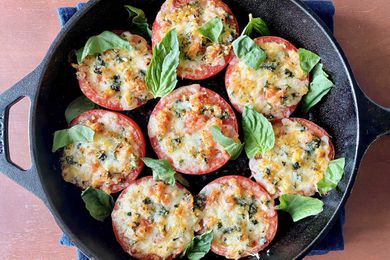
{"x": 212, "y": 29}
{"x": 75, "y": 134}
{"x": 139, "y": 21}
{"x": 332, "y": 176}
{"x": 320, "y": 86}
{"x": 161, "y": 75}
{"x": 199, "y": 246}
{"x": 307, "y": 60}
{"x": 299, "y": 206}
{"x": 257, "y": 25}
{"x": 98, "y": 203}
{"x": 232, "y": 148}
{"x": 258, "y": 132}
{"x": 249, "y": 52}
{"x": 162, "y": 170}
{"x": 100, "y": 43}
{"x": 78, "y": 106}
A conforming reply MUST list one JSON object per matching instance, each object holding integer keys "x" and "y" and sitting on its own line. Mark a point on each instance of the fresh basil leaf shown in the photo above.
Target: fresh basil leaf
{"x": 320, "y": 86}
{"x": 212, "y": 29}
{"x": 249, "y": 52}
{"x": 78, "y": 106}
{"x": 332, "y": 177}
{"x": 307, "y": 60}
{"x": 161, "y": 75}
{"x": 98, "y": 203}
{"x": 199, "y": 246}
{"x": 100, "y": 43}
{"x": 139, "y": 21}
{"x": 232, "y": 148}
{"x": 256, "y": 24}
{"x": 258, "y": 132}
{"x": 162, "y": 170}
{"x": 75, "y": 134}
{"x": 299, "y": 206}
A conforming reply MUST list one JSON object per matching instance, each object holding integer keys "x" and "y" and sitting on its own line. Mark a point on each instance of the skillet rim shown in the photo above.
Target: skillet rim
{"x": 313, "y": 18}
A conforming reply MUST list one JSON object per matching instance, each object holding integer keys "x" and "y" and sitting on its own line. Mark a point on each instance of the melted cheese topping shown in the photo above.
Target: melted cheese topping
{"x": 183, "y": 128}
{"x": 295, "y": 164}
{"x": 119, "y": 75}
{"x": 195, "y": 49}
{"x": 109, "y": 160}
{"x": 239, "y": 218}
{"x": 278, "y": 84}
{"x": 152, "y": 217}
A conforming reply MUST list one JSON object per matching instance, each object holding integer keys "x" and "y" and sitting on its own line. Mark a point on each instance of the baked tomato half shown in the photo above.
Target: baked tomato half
{"x": 240, "y": 213}
{"x": 179, "y": 129}
{"x": 112, "y": 160}
{"x": 200, "y": 58}
{"x": 298, "y": 160}
{"x": 276, "y": 88}
{"x": 154, "y": 220}
{"x": 115, "y": 79}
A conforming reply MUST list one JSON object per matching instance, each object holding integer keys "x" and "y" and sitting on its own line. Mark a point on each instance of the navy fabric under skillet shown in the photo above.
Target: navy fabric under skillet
{"x": 334, "y": 239}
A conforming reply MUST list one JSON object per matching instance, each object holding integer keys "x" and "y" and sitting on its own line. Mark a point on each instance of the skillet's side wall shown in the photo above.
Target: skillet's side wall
{"x": 59, "y": 87}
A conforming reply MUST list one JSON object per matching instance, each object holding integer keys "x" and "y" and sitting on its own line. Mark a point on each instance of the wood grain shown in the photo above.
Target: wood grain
{"x": 27, "y": 229}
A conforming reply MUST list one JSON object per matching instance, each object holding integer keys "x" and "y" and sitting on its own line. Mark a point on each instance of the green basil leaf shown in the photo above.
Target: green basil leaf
{"x": 320, "y": 86}
{"x": 162, "y": 170}
{"x": 212, "y": 29}
{"x": 258, "y": 132}
{"x": 75, "y": 134}
{"x": 232, "y": 148}
{"x": 98, "y": 203}
{"x": 299, "y": 206}
{"x": 78, "y": 106}
{"x": 249, "y": 52}
{"x": 161, "y": 75}
{"x": 256, "y": 24}
{"x": 199, "y": 246}
{"x": 307, "y": 60}
{"x": 100, "y": 43}
{"x": 139, "y": 21}
{"x": 332, "y": 177}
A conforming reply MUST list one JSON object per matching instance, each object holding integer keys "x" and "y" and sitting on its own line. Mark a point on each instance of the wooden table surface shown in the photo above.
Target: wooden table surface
{"x": 27, "y": 229}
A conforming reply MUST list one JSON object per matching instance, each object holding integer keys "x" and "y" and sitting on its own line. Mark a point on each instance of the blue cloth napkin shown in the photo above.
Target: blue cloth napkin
{"x": 334, "y": 239}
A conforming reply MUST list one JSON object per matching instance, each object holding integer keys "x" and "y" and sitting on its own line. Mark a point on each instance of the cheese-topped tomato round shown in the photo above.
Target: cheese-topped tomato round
{"x": 276, "y": 87}
{"x": 112, "y": 159}
{"x": 298, "y": 160}
{"x": 115, "y": 79}
{"x": 240, "y": 213}
{"x": 200, "y": 57}
{"x": 180, "y": 129}
{"x": 153, "y": 220}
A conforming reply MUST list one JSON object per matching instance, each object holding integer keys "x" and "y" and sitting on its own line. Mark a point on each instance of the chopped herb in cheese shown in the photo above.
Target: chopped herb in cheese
{"x": 272, "y": 89}
{"x": 116, "y": 77}
{"x": 152, "y": 217}
{"x": 295, "y": 164}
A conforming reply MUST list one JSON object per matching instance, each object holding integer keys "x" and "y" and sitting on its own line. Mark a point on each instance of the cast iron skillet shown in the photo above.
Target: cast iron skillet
{"x": 346, "y": 113}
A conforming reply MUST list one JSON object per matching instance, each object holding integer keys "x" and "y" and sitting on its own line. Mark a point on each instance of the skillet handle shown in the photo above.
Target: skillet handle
{"x": 374, "y": 120}
{"x": 29, "y": 179}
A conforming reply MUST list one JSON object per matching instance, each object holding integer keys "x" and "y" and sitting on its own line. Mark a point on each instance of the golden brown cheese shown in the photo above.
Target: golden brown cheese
{"x": 295, "y": 164}
{"x": 182, "y": 128}
{"x": 196, "y": 50}
{"x": 105, "y": 162}
{"x": 242, "y": 218}
{"x": 278, "y": 84}
{"x": 154, "y": 218}
{"x": 119, "y": 75}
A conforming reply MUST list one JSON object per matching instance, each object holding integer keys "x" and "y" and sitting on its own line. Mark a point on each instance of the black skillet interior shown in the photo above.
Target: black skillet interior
{"x": 286, "y": 18}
